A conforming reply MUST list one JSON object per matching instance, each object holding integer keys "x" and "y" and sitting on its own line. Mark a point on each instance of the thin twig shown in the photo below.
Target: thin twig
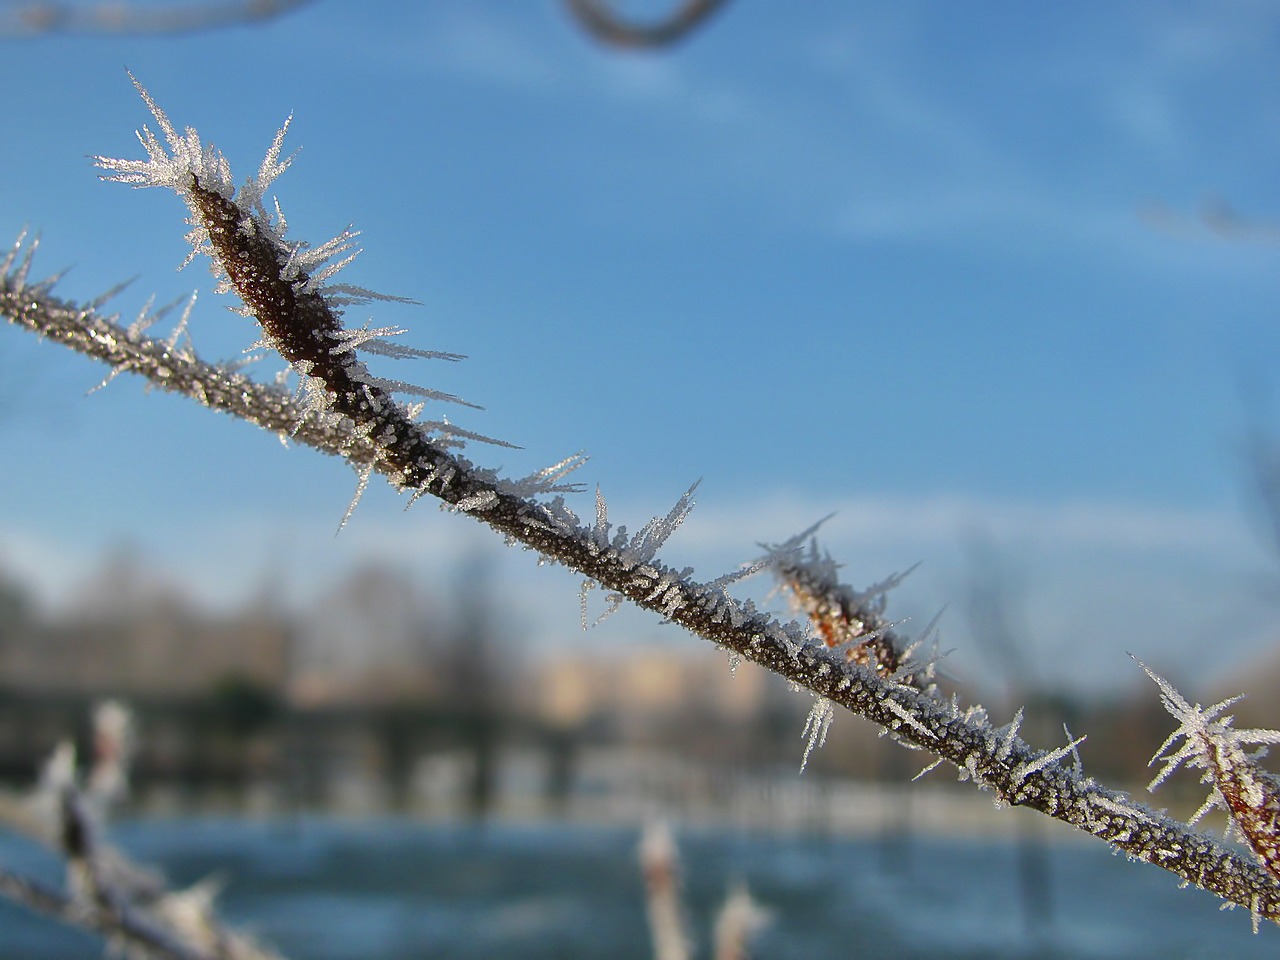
{"x": 602, "y": 22}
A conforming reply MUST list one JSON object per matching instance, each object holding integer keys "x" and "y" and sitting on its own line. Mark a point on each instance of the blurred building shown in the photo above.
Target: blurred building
{"x": 644, "y": 685}
{"x": 364, "y": 640}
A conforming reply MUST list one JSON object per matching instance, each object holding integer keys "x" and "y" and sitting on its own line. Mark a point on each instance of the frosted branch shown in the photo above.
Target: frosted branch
{"x": 107, "y": 893}
{"x": 349, "y": 416}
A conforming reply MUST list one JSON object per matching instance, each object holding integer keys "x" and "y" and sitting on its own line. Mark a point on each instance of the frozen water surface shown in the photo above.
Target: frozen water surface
{"x": 388, "y": 889}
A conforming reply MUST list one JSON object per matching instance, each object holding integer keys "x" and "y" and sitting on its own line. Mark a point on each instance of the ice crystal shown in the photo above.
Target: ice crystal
{"x": 644, "y": 546}
{"x": 363, "y": 474}
{"x": 877, "y": 592}
{"x": 1043, "y": 760}
{"x": 932, "y": 766}
{"x": 1007, "y": 736}
{"x": 816, "y": 725}
{"x": 1077, "y": 765}
{"x": 415, "y": 390}
{"x": 548, "y": 480}
{"x": 746, "y": 571}
{"x": 376, "y": 341}
{"x": 907, "y": 717}
{"x": 181, "y": 158}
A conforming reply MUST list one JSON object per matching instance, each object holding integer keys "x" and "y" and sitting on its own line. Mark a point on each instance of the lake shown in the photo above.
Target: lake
{"x": 321, "y": 889}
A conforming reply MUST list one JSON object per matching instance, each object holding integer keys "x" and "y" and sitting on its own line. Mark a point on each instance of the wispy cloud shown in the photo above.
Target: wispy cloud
{"x": 944, "y": 519}
{"x": 491, "y": 49}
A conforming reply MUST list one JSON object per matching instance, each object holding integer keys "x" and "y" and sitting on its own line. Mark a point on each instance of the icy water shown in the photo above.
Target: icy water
{"x": 321, "y": 889}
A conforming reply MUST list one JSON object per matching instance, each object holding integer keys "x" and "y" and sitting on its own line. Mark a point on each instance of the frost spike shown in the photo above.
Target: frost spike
{"x": 600, "y": 531}
{"x": 1046, "y": 759}
{"x": 816, "y": 725}
{"x": 644, "y": 545}
{"x": 364, "y": 474}
{"x": 1249, "y": 794}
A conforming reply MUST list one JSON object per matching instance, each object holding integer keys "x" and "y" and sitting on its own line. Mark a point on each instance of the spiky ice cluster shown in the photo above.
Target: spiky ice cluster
{"x": 286, "y": 285}
{"x": 850, "y": 620}
{"x": 1249, "y": 794}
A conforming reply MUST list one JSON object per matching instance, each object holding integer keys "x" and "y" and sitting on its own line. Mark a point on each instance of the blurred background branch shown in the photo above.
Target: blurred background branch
{"x": 19, "y": 19}
{"x": 600, "y": 19}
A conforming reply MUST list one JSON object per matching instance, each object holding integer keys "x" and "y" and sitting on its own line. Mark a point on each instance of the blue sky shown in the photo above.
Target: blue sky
{"x": 937, "y": 268}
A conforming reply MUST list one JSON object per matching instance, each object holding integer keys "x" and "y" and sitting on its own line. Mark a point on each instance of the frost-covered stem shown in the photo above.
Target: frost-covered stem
{"x": 351, "y": 413}
{"x": 107, "y": 893}
{"x": 95, "y": 902}
{"x": 302, "y": 326}
{"x": 1016, "y": 773}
